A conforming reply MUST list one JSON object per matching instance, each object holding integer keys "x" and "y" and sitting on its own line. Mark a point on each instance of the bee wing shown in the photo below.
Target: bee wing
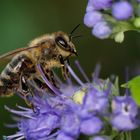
{"x": 5, "y": 58}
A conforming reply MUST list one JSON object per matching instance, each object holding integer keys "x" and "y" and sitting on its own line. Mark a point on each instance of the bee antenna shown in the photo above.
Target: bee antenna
{"x": 74, "y": 29}
{"x": 76, "y": 36}
{"x": 70, "y": 35}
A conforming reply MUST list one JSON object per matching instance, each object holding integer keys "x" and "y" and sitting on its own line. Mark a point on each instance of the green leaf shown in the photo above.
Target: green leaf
{"x": 134, "y": 86}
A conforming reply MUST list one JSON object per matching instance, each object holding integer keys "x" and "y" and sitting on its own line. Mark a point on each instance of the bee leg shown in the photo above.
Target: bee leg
{"x": 65, "y": 72}
{"x": 64, "y": 69}
{"x": 28, "y": 101}
{"x": 39, "y": 83}
{"x": 25, "y": 93}
{"x": 50, "y": 76}
{"x": 27, "y": 98}
{"x": 40, "y": 86}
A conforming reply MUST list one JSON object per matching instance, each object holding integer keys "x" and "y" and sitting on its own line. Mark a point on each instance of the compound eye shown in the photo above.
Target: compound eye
{"x": 61, "y": 42}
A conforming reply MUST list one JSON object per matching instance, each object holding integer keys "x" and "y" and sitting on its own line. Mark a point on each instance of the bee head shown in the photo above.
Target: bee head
{"x": 64, "y": 44}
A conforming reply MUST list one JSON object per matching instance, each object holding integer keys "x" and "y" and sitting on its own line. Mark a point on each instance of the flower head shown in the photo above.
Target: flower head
{"x": 73, "y": 111}
{"x": 110, "y": 19}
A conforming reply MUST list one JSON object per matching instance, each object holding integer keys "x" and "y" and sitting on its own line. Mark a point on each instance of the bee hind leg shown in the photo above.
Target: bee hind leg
{"x": 27, "y": 98}
{"x": 25, "y": 93}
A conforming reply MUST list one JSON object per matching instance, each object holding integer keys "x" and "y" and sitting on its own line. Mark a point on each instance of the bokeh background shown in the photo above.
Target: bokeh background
{"x": 21, "y": 21}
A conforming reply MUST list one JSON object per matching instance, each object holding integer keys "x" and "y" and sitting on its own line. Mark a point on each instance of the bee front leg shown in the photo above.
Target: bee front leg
{"x": 65, "y": 71}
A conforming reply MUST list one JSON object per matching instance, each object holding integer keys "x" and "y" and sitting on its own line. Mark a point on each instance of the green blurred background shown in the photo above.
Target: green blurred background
{"x": 21, "y": 21}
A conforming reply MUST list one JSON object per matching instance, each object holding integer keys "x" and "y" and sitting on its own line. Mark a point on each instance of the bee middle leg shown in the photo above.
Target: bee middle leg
{"x": 50, "y": 76}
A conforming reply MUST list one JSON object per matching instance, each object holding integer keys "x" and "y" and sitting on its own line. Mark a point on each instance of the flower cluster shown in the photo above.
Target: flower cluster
{"x": 111, "y": 18}
{"x": 93, "y": 109}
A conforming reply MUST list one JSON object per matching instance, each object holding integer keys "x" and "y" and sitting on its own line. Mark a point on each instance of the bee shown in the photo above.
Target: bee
{"x": 49, "y": 50}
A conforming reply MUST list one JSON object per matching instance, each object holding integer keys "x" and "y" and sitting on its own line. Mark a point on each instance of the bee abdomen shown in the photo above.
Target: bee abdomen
{"x": 8, "y": 80}
{"x": 5, "y": 87}
{"x": 10, "y": 76}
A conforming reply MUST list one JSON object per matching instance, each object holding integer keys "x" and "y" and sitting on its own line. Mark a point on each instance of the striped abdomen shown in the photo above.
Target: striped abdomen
{"x": 10, "y": 76}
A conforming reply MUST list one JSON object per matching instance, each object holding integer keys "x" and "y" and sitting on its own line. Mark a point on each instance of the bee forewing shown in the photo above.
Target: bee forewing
{"x": 5, "y": 58}
{"x": 4, "y": 62}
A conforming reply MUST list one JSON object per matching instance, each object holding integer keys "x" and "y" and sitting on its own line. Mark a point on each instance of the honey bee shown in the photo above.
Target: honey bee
{"x": 49, "y": 50}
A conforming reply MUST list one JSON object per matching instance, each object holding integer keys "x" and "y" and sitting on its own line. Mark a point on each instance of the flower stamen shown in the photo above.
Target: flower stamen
{"x": 81, "y": 70}
{"x": 75, "y": 76}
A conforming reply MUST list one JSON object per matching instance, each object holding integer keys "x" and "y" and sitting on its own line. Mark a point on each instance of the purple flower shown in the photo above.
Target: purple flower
{"x": 102, "y": 30}
{"x": 124, "y": 105}
{"x": 124, "y": 113}
{"x": 123, "y": 122}
{"x": 102, "y": 4}
{"x": 74, "y": 110}
{"x": 63, "y": 136}
{"x": 90, "y": 6}
{"x": 91, "y": 126}
{"x": 35, "y": 126}
{"x": 91, "y": 18}
{"x": 40, "y": 128}
{"x": 70, "y": 124}
{"x": 105, "y": 24}
{"x": 95, "y": 101}
{"x": 122, "y": 10}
